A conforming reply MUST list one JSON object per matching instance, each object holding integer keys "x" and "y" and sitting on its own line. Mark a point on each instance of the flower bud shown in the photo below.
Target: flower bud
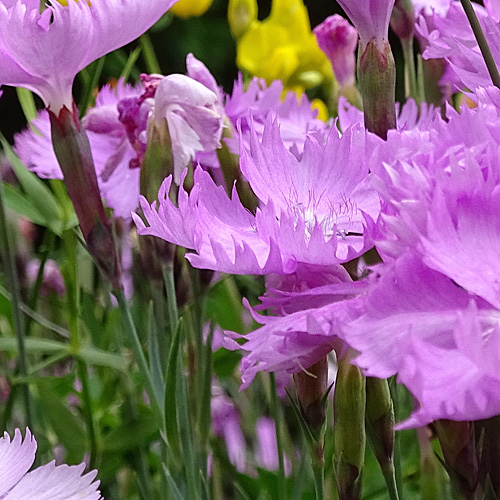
{"x": 338, "y": 40}
{"x": 190, "y": 8}
{"x": 312, "y": 386}
{"x": 241, "y": 14}
{"x": 72, "y": 149}
{"x": 350, "y": 437}
{"x": 377, "y": 79}
{"x": 403, "y": 19}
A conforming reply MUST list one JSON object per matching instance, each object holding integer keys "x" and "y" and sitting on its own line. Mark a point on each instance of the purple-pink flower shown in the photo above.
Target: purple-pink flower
{"x": 370, "y": 18}
{"x": 431, "y": 311}
{"x": 44, "y": 51}
{"x": 313, "y": 210}
{"x": 338, "y": 40}
{"x": 48, "y": 482}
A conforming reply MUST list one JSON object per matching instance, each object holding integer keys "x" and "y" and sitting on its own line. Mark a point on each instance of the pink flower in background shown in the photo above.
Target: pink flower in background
{"x": 48, "y": 482}
{"x": 111, "y": 150}
{"x": 370, "y": 18}
{"x": 247, "y": 109}
{"x": 44, "y": 52}
{"x": 338, "y": 40}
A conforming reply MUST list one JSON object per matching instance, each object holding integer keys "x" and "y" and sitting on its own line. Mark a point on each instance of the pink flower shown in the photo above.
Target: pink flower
{"x": 48, "y": 482}
{"x": 338, "y": 40}
{"x": 44, "y": 52}
{"x": 370, "y": 18}
{"x": 450, "y": 36}
{"x": 431, "y": 312}
{"x": 313, "y": 210}
{"x": 193, "y": 117}
{"x": 111, "y": 150}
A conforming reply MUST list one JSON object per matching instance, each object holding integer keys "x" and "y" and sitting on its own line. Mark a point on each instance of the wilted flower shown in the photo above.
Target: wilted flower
{"x": 48, "y": 482}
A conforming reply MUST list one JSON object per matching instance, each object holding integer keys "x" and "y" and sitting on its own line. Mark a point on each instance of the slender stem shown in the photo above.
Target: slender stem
{"x": 390, "y": 480}
{"x": 87, "y": 405}
{"x": 148, "y": 52}
{"x": 411, "y": 72}
{"x": 277, "y": 420}
{"x": 481, "y": 41}
{"x": 393, "y": 386}
{"x": 318, "y": 469}
{"x": 73, "y": 297}
{"x": 133, "y": 338}
{"x": 19, "y": 323}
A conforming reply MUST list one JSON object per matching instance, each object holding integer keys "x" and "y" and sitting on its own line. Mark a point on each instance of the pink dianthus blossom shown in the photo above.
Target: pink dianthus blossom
{"x": 370, "y": 18}
{"x": 48, "y": 482}
{"x": 44, "y": 51}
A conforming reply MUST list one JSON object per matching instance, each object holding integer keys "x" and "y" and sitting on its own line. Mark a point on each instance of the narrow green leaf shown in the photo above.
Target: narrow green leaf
{"x": 22, "y": 205}
{"x": 94, "y": 356}
{"x": 176, "y": 493}
{"x": 37, "y": 192}
{"x": 95, "y": 70}
{"x": 170, "y": 393}
{"x": 33, "y": 345}
{"x": 27, "y": 102}
{"x": 154, "y": 359}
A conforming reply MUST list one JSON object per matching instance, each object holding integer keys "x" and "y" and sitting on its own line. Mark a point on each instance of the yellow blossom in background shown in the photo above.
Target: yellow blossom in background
{"x": 190, "y": 8}
{"x": 283, "y": 47}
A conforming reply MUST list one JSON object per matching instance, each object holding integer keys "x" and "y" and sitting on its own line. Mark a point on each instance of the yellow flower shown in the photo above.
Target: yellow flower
{"x": 190, "y": 8}
{"x": 284, "y": 47}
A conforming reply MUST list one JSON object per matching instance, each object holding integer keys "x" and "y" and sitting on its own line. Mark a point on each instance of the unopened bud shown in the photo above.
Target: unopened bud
{"x": 338, "y": 40}
{"x": 377, "y": 79}
{"x": 190, "y": 8}
{"x": 72, "y": 149}
{"x": 241, "y": 14}
{"x": 403, "y": 19}
{"x": 349, "y": 430}
{"x": 459, "y": 451}
{"x": 312, "y": 387}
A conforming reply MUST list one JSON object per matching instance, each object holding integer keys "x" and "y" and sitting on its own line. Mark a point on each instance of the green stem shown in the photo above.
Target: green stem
{"x": 19, "y": 323}
{"x": 275, "y": 410}
{"x": 393, "y": 386}
{"x": 411, "y": 72}
{"x": 87, "y": 405}
{"x": 319, "y": 469}
{"x": 481, "y": 41}
{"x": 390, "y": 480}
{"x": 133, "y": 338}
{"x": 73, "y": 298}
{"x": 152, "y": 64}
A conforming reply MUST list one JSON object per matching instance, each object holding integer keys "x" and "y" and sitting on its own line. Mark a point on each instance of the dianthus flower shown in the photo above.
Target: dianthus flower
{"x": 314, "y": 214}
{"x": 312, "y": 209}
{"x": 371, "y": 19}
{"x": 48, "y": 482}
{"x": 431, "y": 313}
{"x": 447, "y": 34}
{"x": 44, "y": 51}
